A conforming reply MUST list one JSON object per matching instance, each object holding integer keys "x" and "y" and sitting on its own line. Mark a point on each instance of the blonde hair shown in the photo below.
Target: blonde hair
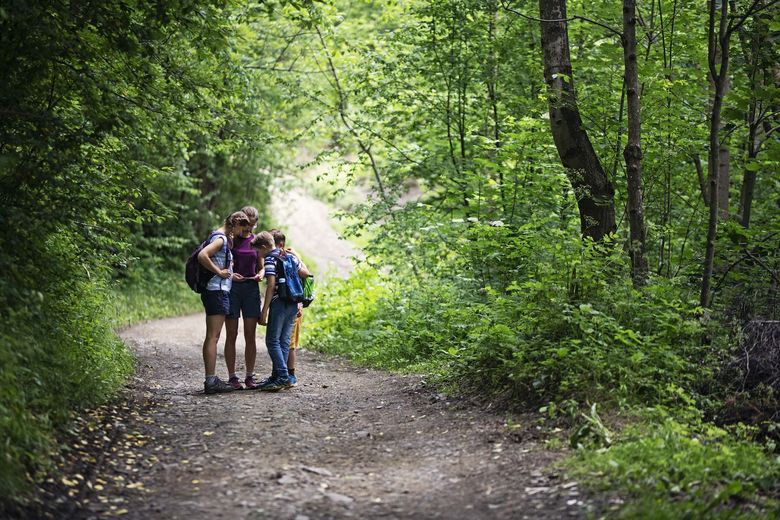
{"x": 251, "y": 212}
{"x": 264, "y": 239}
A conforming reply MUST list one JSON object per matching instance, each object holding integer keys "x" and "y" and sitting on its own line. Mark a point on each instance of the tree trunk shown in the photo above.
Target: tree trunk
{"x": 724, "y": 176}
{"x": 594, "y": 191}
{"x": 749, "y": 175}
{"x": 633, "y": 151}
{"x": 759, "y": 74}
{"x": 492, "y": 82}
{"x": 719, "y": 38}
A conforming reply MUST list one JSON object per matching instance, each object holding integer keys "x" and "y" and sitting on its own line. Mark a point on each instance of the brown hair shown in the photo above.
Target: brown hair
{"x": 262, "y": 239}
{"x": 279, "y": 238}
{"x": 236, "y": 219}
{"x": 251, "y": 212}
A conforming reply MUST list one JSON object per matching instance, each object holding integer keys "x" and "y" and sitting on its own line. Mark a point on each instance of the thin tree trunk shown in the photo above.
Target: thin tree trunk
{"x": 724, "y": 176}
{"x": 749, "y": 175}
{"x": 719, "y": 39}
{"x": 593, "y": 189}
{"x": 342, "y": 108}
{"x": 492, "y": 80}
{"x": 752, "y": 49}
{"x": 633, "y": 150}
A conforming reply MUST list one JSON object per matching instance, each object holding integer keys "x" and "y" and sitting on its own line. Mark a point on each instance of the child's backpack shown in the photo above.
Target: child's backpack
{"x": 197, "y": 276}
{"x": 288, "y": 281}
{"x": 308, "y": 291}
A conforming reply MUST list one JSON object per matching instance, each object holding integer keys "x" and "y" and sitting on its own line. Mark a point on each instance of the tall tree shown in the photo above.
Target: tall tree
{"x": 593, "y": 189}
{"x": 633, "y": 151}
{"x": 719, "y": 38}
{"x": 762, "y": 70}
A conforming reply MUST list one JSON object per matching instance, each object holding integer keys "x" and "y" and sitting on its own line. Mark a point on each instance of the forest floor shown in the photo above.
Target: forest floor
{"x": 348, "y": 442}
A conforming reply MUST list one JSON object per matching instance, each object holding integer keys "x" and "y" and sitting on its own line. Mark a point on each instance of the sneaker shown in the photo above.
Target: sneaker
{"x": 274, "y": 384}
{"x": 293, "y": 381}
{"x": 218, "y": 386}
{"x": 251, "y": 383}
{"x": 235, "y": 382}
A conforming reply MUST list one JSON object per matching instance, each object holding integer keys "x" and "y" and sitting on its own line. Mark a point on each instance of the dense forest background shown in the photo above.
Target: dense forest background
{"x": 571, "y": 207}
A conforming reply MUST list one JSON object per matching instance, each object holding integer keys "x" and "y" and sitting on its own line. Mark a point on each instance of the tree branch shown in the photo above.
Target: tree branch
{"x": 614, "y": 31}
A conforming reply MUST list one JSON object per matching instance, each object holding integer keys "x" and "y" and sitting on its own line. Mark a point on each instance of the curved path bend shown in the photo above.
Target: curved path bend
{"x": 348, "y": 442}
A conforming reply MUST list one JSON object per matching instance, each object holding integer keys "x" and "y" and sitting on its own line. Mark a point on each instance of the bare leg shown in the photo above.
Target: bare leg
{"x": 213, "y": 328}
{"x": 294, "y": 340}
{"x": 231, "y": 329}
{"x": 291, "y": 360}
{"x": 250, "y": 351}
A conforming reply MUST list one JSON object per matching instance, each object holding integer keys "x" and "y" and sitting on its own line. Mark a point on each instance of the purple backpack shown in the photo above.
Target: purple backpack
{"x": 197, "y": 276}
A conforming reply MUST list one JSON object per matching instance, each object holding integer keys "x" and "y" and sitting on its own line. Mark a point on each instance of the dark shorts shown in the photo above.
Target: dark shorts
{"x": 215, "y": 302}
{"x": 244, "y": 300}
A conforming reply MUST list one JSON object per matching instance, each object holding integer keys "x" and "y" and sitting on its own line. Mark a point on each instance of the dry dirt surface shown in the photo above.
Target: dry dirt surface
{"x": 307, "y": 226}
{"x": 348, "y": 442}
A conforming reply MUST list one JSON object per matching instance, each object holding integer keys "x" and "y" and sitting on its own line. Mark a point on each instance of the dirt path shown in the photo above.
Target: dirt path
{"x": 348, "y": 442}
{"x": 306, "y": 224}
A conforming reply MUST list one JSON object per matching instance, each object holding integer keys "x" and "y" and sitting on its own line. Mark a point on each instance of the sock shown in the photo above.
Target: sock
{"x": 231, "y": 376}
{"x": 249, "y": 374}
{"x": 291, "y": 371}
{"x": 211, "y": 378}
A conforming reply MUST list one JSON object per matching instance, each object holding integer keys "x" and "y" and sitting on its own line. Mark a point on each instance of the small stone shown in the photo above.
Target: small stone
{"x": 318, "y": 471}
{"x": 338, "y": 498}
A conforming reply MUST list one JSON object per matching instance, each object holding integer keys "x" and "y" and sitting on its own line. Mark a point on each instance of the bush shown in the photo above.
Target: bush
{"x": 674, "y": 468}
{"x": 148, "y": 291}
{"x": 59, "y": 354}
{"x": 533, "y": 320}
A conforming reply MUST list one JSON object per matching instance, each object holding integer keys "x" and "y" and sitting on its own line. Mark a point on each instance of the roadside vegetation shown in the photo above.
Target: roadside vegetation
{"x": 582, "y": 226}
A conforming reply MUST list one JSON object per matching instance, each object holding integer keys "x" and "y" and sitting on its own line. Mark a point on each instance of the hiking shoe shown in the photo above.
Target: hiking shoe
{"x": 218, "y": 386}
{"x": 293, "y": 381}
{"x": 251, "y": 383}
{"x": 274, "y": 384}
{"x": 235, "y": 382}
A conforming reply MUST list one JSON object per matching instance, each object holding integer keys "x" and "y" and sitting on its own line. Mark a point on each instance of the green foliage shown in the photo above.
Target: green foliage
{"x": 128, "y": 130}
{"x": 149, "y": 292}
{"x": 534, "y": 321}
{"x": 674, "y": 468}
{"x": 58, "y": 354}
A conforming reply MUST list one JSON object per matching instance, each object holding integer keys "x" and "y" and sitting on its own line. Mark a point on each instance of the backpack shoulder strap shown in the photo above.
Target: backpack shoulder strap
{"x": 228, "y": 254}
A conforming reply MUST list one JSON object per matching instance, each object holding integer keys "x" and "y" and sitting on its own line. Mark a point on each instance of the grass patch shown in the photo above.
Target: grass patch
{"x": 148, "y": 294}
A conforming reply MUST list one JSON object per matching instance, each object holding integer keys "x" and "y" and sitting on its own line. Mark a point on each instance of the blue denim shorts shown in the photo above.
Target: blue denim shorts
{"x": 244, "y": 299}
{"x": 215, "y": 302}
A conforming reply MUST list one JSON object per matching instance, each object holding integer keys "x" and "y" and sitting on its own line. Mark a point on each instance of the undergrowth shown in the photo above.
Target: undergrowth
{"x": 673, "y": 467}
{"x": 146, "y": 292}
{"x": 61, "y": 353}
{"x": 556, "y": 325}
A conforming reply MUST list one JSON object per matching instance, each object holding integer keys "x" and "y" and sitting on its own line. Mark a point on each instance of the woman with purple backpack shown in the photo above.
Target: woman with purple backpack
{"x": 216, "y": 258}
